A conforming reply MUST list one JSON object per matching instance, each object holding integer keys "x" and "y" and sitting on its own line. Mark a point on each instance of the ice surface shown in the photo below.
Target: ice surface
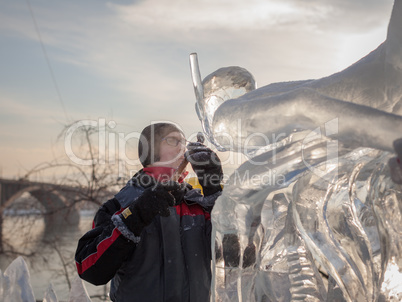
{"x": 15, "y": 286}
{"x": 15, "y": 283}
{"x": 315, "y": 213}
{"x": 50, "y": 295}
{"x": 305, "y": 237}
{"x": 78, "y": 292}
{"x": 365, "y": 98}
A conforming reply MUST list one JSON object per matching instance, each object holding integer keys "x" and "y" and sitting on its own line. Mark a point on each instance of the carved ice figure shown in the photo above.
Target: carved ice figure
{"x": 15, "y": 283}
{"x": 50, "y": 295}
{"x": 78, "y": 291}
{"x": 313, "y": 214}
{"x": 369, "y": 92}
{"x": 15, "y": 286}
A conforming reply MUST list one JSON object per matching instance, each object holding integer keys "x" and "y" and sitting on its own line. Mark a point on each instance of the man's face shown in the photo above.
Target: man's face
{"x": 171, "y": 150}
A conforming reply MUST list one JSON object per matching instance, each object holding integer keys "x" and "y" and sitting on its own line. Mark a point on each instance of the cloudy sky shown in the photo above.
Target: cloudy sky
{"x": 128, "y": 61}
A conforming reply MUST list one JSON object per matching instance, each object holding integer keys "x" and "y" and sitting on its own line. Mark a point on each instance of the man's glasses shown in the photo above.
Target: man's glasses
{"x": 173, "y": 141}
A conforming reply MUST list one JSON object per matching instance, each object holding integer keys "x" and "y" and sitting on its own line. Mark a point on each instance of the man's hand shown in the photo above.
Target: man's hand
{"x": 207, "y": 165}
{"x": 154, "y": 201}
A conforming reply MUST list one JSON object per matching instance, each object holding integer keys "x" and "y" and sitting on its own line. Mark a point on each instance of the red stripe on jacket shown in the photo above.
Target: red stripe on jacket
{"x": 193, "y": 210}
{"x": 100, "y": 249}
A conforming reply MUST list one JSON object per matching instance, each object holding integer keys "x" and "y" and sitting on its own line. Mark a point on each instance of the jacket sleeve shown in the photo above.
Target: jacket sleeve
{"x": 102, "y": 250}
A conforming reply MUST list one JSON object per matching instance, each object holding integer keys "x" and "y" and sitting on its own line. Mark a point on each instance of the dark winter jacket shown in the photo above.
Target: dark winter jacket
{"x": 170, "y": 261}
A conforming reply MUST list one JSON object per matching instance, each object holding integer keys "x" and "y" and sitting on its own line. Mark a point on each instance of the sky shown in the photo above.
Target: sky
{"x": 127, "y": 62}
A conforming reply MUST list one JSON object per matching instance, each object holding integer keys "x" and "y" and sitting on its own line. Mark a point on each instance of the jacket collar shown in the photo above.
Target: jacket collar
{"x": 163, "y": 173}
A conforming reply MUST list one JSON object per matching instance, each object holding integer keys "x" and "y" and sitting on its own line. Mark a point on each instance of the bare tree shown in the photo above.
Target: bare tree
{"x": 79, "y": 187}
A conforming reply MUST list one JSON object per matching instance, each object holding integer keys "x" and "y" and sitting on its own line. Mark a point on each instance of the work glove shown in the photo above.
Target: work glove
{"x": 155, "y": 200}
{"x": 207, "y": 165}
{"x": 178, "y": 194}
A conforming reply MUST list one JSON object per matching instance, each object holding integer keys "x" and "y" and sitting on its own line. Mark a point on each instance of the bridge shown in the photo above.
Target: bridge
{"x": 57, "y": 200}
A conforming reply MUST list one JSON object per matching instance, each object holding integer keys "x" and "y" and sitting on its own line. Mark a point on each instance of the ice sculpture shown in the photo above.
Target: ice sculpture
{"x": 370, "y": 87}
{"x": 78, "y": 291}
{"x": 313, "y": 215}
{"x": 50, "y": 295}
{"x": 15, "y": 286}
{"x": 15, "y": 283}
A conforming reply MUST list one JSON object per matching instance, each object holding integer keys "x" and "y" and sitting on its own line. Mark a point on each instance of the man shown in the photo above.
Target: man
{"x": 153, "y": 238}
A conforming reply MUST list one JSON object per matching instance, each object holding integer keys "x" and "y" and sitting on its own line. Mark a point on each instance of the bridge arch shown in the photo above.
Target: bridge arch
{"x": 58, "y": 210}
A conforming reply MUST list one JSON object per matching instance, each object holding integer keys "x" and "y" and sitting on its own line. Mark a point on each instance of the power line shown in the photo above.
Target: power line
{"x": 47, "y": 60}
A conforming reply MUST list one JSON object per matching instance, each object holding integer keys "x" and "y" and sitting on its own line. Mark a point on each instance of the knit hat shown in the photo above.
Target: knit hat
{"x": 150, "y": 139}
